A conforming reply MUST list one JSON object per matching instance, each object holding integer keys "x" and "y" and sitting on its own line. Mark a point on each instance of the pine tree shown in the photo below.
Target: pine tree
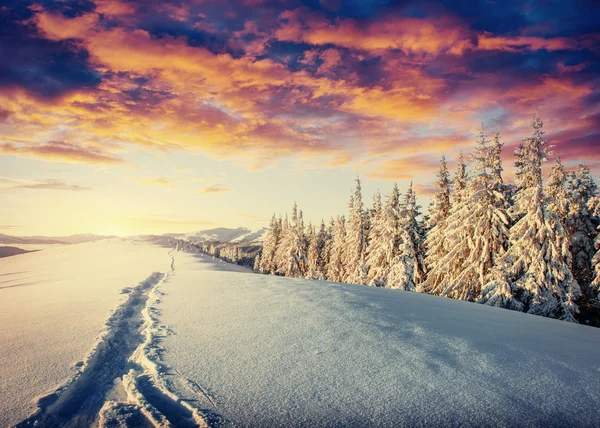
{"x": 556, "y": 191}
{"x": 520, "y": 165}
{"x": 460, "y": 181}
{"x": 537, "y": 276}
{"x": 376, "y": 250}
{"x": 435, "y": 240}
{"x": 407, "y": 266}
{"x": 323, "y": 238}
{"x": 314, "y": 270}
{"x": 414, "y": 228}
{"x": 336, "y": 269}
{"x": 302, "y": 245}
{"x": 488, "y": 221}
{"x": 390, "y": 239}
{"x": 496, "y": 168}
{"x": 257, "y": 263}
{"x": 402, "y": 267}
{"x": 272, "y": 240}
{"x": 282, "y": 247}
{"x": 594, "y": 209}
{"x": 327, "y": 250}
{"x": 477, "y": 229}
{"x": 454, "y": 247}
{"x": 440, "y": 208}
{"x": 293, "y": 257}
{"x": 581, "y": 225}
{"x": 451, "y": 233}
{"x": 356, "y": 241}
{"x": 402, "y": 272}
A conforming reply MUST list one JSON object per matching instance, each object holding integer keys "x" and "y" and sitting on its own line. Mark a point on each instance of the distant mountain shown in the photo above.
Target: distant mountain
{"x": 7, "y": 239}
{"x": 83, "y": 237}
{"x": 252, "y": 236}
{"x": 222, "y": 234}
{"x": 11, "y": 251}
{"x": 45, "y": 240}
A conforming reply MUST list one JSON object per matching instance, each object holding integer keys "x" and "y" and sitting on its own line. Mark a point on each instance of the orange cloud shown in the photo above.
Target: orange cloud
{"x": 232, "y": 90}
{"x": 113, "y": 7}
{"x": 59, "y": 27}
{"x": 331, "y": 58}
{"x": 228, "y": 88}
{"x": 549, "y": 88}
{"x": 488, "y": 41}
{"x": 214, "y": 189}
{"x": 410, "y": 35}
{"x": 163, "y": 94}
{"x": 60, "y": 151}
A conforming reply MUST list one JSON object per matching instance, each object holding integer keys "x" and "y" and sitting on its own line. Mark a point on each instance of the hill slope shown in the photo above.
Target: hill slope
{"x": 272, "y": 351}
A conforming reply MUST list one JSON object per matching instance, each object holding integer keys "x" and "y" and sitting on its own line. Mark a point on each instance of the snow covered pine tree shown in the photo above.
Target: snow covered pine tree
{"x": 536, "y": 277}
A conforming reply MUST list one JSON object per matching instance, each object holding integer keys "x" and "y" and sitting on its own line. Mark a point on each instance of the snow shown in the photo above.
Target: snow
{"x": 255, "y": 236}
{"x": 72, "y": 239}
{"x": 223, "y": 234}
{"x": 37, "y": 247}
{"x": 17, "y": 240}
{"x": 53, "y": 306}
{"x": 133, "y": 333}
{"x": 271, "y": 351}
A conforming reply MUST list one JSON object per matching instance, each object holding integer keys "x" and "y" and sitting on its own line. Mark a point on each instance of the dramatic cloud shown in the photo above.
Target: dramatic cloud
{"x": 410, "y": 35}
{"x": 46, "y": 68}
{"x": 387, "y": 88}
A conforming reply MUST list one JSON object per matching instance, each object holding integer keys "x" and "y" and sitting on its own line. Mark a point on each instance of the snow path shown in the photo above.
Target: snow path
{"x": 50, "y": 326}
{"x": 119, "y": 384}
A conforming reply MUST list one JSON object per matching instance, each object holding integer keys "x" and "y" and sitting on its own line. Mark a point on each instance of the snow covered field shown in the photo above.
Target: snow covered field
{"x": 272, "y": 351}
{"x": 53, "y": 306}
{"x": 188, "y": 341}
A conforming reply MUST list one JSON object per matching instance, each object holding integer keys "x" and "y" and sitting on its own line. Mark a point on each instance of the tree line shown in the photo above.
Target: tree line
{"x": 530, "y": 246}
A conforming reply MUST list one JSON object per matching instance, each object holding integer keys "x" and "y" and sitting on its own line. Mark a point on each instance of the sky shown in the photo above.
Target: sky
{"x": 129, "y": 117}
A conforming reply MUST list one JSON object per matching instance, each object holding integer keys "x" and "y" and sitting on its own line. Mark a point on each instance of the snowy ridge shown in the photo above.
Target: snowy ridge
{"x": 256, "y": 236}
{"x": 119, "y": 383}
{"x": 222, "y": 234}
{"x": 53, "y": 240}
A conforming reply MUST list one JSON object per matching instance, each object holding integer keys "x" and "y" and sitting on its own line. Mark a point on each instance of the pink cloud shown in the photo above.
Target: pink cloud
{"x": 60, "y": 151}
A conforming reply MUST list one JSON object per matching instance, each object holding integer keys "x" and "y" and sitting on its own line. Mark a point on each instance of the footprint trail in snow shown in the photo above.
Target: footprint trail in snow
{"x": 120, "y": 383}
